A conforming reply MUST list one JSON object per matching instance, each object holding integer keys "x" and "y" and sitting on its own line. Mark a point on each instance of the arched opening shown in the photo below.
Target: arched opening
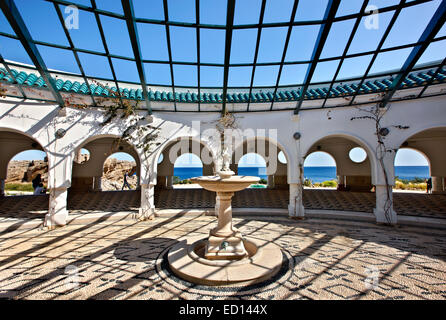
{"x": 22, "y": 160}
{"x": 106, "y": 161}
{"x": 422, "y": 157}
{"x": 320, "y": 171}
{"x": 181, "y": 160}
{"x": 350, "y": 166}
{"x": 27, "y": 174}
{"x": 82, "y": 156}
{"x": 262, "y": 158}
{"x": 412, "y": 170}
{"x": 186, "y": 166}
{"x": 253, "y": 164}
{"x": 119, "y": 173}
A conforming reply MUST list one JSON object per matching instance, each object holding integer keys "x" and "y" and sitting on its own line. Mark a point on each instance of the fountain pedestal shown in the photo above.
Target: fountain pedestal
{"x": 225, "y": 257}
{"x": 225, "y": 242}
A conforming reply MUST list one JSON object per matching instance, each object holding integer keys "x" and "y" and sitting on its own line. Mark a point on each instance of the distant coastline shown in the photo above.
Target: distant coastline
{"x": 315, "y": 174}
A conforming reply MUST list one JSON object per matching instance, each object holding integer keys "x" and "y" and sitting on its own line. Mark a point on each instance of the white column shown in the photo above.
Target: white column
{"x": 271, "y": 181}
{"x": 57, "y": 211}
{"x": 296, "y": 208}
{"x": 2, "y": 187}
{"x": 384, "y": 212}
{"x": 147, "y": 210}
{"x": 437, "y": 185}
{"x": 169, "y": 182}
{"x": 97, "y": 183}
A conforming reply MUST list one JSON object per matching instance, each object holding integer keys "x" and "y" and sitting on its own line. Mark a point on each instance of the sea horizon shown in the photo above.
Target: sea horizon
{"x": 314, "y": 173}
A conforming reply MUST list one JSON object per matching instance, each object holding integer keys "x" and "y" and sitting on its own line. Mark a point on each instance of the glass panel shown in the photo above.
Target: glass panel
{"x": 302, "y": 41}
{"x": 181, "y": 10}
{"x": 59, "y": 59}
{"x": 265, "y": 75}
{"x": 241, "y": 9}
{"x": 348, "y": 7}
{"x": 278, "y": 11}
{"x": 384, "y": 3}
{"x": 337, "y": 38}
{"x": 157, "y": 73}
{"x": 185, "y": 75}
{"x": 392, "y": 60}
{"x": 87, "y": 36}
{"x": 211, "y": 76}
{"x": 212, "y": 45}
{"x": 354, "y": 67}
{"x": 271, "y": 44}
{"x": 152, "y": 39}
{"x": 213, "y": 11}
{"x": 152, "y": 9}
{"x": 82, "y": 2}
{"x": 243, "y": 45}
{"x": 307, "y": 10}
{"x": 293, "y": 74}
{"x": 410, "y": 24}
{"x": 367, "y": 37}
{"x": 4, "y": 24}
{"x": 183, "y": 44}
{"x": 95, "y": 66}
{"x": 117, "y": 36}
{"x": 239, "y": 76}
{"x": 434, "y": 52}
{"x": 442, "y": 32}
{"x": 125, "y": 70}
{"x": 12, "y": 49}
{"x": 325, "y": 71}
{"x": 42, "y": 21}
{"x": 110, "y": 5}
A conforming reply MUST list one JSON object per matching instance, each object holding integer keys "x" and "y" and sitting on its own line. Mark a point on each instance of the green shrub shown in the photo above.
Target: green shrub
{"x": 176, "y": 180}
{"x": 330, "y": 184}
{"x": 263, "y": 181}
{"x": 308, "y": 183}
{"x": 28, "y": 187}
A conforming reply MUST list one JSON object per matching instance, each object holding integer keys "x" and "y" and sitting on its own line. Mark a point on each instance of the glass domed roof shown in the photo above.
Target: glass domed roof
{"x": 245, "y": 50}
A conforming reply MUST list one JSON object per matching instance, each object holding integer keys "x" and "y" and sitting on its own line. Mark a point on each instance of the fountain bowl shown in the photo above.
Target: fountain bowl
{"x": 230, "y": 184}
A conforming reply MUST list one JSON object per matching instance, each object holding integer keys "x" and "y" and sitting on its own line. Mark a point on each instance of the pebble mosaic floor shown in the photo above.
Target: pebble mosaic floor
{"x": 124, "y": 259}
{"x": 409, "y": 204}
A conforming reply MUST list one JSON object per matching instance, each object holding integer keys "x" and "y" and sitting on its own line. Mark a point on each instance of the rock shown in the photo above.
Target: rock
{"x": 112, "y": 179}
{"x": 25, "y": 171}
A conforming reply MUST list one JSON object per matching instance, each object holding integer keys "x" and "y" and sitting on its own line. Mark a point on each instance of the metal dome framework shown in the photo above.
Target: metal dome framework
{"x": 305, "y": 90}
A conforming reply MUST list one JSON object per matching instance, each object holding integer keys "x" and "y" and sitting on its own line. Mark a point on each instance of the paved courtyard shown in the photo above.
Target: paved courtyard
{"x": 125, "y": 259}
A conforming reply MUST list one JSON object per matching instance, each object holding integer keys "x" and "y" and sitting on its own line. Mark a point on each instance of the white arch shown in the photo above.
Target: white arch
{"x": 352, "y": 137}
{"x": 290, "y": 162}
{"x": 153, "y": 160}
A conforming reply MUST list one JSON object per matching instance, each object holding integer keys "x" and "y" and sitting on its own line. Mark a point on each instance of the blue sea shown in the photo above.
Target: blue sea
{"x": 316, "y": 174}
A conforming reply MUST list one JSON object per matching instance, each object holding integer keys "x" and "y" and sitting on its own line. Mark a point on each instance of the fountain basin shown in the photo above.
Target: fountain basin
{"x": 188, "y": 261}
{"x": 231, "y": 184}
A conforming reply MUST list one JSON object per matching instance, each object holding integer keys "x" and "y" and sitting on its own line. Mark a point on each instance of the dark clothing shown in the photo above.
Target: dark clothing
{"x": 126, "y": 184}
{"x": 429, "y": 184}
{"x": 36, "y": 181}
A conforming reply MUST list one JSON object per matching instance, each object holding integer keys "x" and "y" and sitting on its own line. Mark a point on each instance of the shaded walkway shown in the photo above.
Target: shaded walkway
{"x": 406, "y": 204}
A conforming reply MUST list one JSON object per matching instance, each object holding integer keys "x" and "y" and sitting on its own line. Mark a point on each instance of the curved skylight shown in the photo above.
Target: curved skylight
{"x": 222, "y": 45}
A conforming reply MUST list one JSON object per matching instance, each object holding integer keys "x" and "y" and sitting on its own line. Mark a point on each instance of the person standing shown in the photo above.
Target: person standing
{"x": 429, "y": 185}
{"x": 37, "y": 181}
{"x": 126, "y": 184}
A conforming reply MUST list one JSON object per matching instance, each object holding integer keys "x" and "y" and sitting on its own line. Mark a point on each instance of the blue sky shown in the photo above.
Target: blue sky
{"x": 407, "y": 29}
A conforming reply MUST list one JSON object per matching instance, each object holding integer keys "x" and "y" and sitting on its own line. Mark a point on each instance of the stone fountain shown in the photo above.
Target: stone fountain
{"x": 225, "y": 257}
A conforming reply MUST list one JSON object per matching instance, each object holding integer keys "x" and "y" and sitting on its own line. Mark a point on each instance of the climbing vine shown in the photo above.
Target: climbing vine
{"x": 376, "y": 114}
